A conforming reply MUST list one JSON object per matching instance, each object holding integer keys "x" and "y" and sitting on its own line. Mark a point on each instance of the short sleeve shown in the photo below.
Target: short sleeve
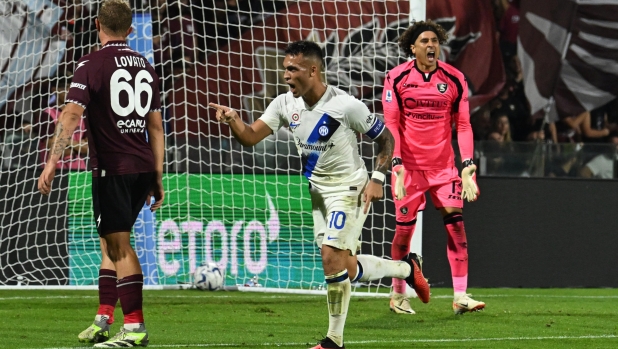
{"x": 155, "y": 104}
{"x": 273, "y": 115}
{"x": 361, "y": 119}
{"x": 79, "y": 90}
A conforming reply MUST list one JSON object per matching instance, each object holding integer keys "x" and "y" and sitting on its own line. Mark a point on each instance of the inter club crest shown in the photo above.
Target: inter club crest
{"x": 442, "y": 87}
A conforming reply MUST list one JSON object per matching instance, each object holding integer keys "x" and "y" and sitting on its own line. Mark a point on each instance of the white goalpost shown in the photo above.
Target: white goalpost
{"x": 246, "y": 209}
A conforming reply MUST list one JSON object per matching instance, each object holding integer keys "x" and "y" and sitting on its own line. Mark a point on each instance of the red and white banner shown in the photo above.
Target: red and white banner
{"x": 27, "y": 48}
{"x": 569, "y": 53}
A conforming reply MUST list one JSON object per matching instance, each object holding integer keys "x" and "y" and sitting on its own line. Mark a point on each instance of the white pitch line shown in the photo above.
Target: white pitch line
{"x": 444, "y": 340}
{"x": 265, "y": 296}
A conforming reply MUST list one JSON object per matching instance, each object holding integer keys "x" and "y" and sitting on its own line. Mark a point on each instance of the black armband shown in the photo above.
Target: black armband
{"x": 467, "y": 163}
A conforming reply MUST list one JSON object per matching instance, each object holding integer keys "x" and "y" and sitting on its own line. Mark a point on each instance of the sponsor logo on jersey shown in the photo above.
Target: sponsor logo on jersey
{"x": 442, "y": 87}
{"x": 410, "y": 85}
{"x": 131, "y": 126}
{"x": 424, "y": 116}
{"x": 389, "y": 96}
{"x": 413, "y": 103}
{"x": 79, "y": 86}
{"x": 314, "y": 147}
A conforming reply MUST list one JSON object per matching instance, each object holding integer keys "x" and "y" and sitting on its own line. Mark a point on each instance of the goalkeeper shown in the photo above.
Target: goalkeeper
{"x": 324, "y": 121}
{"x": 422, "y": 99}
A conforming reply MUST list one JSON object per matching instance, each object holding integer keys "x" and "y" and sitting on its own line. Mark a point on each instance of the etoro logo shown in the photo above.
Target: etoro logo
{"x": 170, "y": 243}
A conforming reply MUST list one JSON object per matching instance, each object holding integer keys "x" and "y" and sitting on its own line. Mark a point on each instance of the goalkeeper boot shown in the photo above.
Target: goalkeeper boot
{"x": 464, "y": 304}
{"x": 400, "y": 304}
{"x": 97, "y": 332}
{"x": 416, "y": 280}
{"x": 127, "y": 339}
{"x": 327, "y": 343}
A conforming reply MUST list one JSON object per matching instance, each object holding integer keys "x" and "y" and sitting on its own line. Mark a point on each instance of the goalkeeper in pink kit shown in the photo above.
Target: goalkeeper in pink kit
{"x": 422, "y": 99}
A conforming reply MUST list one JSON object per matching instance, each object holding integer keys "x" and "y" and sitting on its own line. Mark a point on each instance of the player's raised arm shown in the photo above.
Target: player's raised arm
{"x": 247, "y": 135}
{"x": 67, "y": 122}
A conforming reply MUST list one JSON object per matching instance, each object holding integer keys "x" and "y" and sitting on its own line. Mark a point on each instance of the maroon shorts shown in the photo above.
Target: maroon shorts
{"x": 444, "y": 187}
{"x": 118, "y": 200}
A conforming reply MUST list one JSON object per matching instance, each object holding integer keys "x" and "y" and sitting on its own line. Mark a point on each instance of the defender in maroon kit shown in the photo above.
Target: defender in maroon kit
{"x": 117, "y": 91}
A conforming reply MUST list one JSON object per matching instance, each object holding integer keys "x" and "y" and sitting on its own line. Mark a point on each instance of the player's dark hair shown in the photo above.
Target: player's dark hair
{"x": 308, "y": 49}
{"x": 409, "y": 37}
{"x": 116, "y": 16}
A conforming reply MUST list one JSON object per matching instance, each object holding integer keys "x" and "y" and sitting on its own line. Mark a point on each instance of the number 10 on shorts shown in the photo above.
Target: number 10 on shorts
{"x": 336, "y": 220}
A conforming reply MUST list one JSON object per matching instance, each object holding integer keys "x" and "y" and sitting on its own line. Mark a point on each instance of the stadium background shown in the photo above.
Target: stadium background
{"x": 214, "y": 183}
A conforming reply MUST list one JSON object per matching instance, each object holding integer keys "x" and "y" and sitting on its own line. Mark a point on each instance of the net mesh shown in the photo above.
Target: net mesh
{"x": 245, "y": 208}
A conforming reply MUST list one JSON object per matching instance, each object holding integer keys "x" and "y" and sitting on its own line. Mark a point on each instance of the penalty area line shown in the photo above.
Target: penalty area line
{"x": 443, "y": 340}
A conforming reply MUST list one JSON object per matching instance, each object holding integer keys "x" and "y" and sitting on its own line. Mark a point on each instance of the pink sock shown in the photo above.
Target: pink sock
{"x": 457, "y": 250}
{"x": 401, "y": 248}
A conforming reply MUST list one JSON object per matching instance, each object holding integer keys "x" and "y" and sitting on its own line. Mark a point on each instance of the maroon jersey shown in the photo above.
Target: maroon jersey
{"x": 118, "y": 88}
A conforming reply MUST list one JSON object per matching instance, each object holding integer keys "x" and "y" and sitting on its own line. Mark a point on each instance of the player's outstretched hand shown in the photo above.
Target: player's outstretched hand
{"x": 224, "y": 114}
{"x": 158, "y": 193}
{"x": 470, "y": 191}
{"x": 373, "y": 192}
{"x": 400, "y": 188}
{"x": 46, "y": 179}
{"x": 399, "y": 172}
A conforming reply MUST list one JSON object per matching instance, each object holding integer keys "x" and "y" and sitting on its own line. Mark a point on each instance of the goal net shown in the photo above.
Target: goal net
{"x": 247, "y": 209}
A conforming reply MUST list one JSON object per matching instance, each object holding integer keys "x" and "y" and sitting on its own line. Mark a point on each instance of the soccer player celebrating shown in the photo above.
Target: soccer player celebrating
{"x": 117, "y": 91}
{"x": 422, "y": 98}
{"x": 324, "y": 121}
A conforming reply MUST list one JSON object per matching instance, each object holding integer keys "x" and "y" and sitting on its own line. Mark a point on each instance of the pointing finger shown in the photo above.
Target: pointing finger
{"x": 220, "y": 107}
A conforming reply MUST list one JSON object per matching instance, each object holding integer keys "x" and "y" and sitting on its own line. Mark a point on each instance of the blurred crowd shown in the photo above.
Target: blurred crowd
{"x": 507, "y": 129}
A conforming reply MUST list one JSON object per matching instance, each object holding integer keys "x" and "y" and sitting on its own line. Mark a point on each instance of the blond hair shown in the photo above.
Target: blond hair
{"x": 116, "y": 17}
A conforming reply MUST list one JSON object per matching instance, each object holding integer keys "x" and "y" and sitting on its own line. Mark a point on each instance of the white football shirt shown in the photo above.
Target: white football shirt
{"x": 325, "y": 136}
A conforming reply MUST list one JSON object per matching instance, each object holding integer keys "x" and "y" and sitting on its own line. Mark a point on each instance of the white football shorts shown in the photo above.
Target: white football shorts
{"x": 338, "y": 221}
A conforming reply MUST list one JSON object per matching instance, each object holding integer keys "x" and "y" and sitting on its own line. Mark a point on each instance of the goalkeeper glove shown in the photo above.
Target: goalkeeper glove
{"x": 400, "y": 175}
{"x": 470, "y": 189}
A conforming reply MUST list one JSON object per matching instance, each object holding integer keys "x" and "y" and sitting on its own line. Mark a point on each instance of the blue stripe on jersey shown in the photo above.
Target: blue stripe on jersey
{"x": 324, "y": 129}
{"x": 376, "y": 129}
{"x": 309, "y": 162}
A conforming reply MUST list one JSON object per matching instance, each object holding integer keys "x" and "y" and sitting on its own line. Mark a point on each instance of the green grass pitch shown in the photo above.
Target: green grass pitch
{"x": 514, "y": 318}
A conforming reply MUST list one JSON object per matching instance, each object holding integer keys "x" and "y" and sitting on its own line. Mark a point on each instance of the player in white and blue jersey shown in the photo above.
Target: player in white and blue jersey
{"x": 325, "y": 121}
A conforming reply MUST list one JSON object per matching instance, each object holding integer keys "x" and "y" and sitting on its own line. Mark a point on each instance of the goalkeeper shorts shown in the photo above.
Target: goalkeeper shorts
{"x": 338, "y": 221}
{"x": 444, "y": 186}
{"x": 118, "y": 200}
